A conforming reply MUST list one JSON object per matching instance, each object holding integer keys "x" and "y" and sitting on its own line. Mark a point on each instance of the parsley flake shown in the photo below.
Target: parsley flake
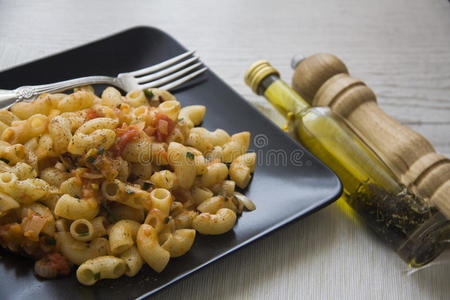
{"x": 180, "y": 119}
{"x": 148, "y": 93}
{"x": 190, "y": 155}
{"x": 90, "y": 159}
{"x": 76, "y": 196}
{"x": 166, "y": 220}
{"x": 101, "y": 150}
{"x": 129, "y": 192}
{"x": 83, "y": 233}
{"x": 119, "y": 105}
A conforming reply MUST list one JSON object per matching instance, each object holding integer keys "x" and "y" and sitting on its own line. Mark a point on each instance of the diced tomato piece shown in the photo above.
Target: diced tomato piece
{"x": 61, "y": 263}
{"x": 164, "y": 127}
{"x": 123, "y": 129}
{"x": 125, "y": 135}
{"x": 91, "y": 114}
{"x": 53, "y": 265}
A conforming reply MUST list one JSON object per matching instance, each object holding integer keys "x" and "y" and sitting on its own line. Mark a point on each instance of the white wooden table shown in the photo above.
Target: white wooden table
{"x": 400, "y": 48}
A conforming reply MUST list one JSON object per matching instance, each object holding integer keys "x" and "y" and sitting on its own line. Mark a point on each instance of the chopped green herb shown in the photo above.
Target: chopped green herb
{"x": 146, "y": 185}
{"x": 101, "y": 150}
{"x": 83, "y": 234}
{"x": 166, "y": 220}
{"x": 4, "y": 160}
{"x": 180, "y": 119}
{"x": 97, "y": 276}
{"x": 148, "y": 93}
{"x": 90, "y": 159}
{"x": 51, "y": 241}
{"x": 190, "y": 155}
{"x": 129, "y": 192}
{"x": 397, "y": 218}
{"x": 76, "y": 196}
{"x": 119, "y": 105}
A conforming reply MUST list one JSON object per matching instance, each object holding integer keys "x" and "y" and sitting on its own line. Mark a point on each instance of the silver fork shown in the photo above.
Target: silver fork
{"x": 165, "y": 75}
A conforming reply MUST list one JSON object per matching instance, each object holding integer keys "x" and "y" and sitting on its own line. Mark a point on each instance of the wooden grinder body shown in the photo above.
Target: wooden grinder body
{"x": 323, "y": 80}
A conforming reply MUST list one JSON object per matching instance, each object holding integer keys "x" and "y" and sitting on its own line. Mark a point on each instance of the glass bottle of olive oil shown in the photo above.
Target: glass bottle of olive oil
{"x": 322, "y": 132}
{"x": 369, "y": 187}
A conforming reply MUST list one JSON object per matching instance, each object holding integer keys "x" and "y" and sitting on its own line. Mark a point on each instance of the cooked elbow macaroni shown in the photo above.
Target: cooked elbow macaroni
{"x": 113, "y": 182}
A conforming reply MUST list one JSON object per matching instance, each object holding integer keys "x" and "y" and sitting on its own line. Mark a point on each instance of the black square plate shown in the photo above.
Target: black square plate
{"x": 288, "y": 183}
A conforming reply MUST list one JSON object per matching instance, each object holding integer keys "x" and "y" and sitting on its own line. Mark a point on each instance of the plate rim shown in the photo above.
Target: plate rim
{"x": 279, "y": 225}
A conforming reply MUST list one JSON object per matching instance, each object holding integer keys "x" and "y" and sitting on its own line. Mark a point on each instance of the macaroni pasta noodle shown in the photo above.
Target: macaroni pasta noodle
{"x": 112, "y": 183}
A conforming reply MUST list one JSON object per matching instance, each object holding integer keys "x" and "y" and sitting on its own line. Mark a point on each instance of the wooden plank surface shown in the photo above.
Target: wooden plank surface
{"x": 401, "y": 49}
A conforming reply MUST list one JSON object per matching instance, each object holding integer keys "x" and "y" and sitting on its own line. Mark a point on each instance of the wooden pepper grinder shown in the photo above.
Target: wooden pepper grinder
{"x": 323, "y": 80}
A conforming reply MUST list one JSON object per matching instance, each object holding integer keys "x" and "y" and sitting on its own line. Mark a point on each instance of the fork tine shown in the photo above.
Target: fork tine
{"x": 169, "y": 78}
{"x": 182, "y": 80}
{"x": 169, "y": 70}
{"x": 161, "y": 65}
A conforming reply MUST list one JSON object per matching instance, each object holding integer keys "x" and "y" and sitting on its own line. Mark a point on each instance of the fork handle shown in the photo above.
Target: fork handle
{"x": 7, "y": 98}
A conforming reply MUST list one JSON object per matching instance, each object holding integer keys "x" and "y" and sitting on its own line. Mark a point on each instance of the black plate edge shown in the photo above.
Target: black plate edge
{"x": 276, "y": 226}
{"x": 99, "y": 39}
{"x": 299, "y": 215}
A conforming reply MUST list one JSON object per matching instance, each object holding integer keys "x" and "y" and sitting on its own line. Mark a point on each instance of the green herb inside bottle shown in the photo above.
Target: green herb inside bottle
{"x": 407, "y": 223}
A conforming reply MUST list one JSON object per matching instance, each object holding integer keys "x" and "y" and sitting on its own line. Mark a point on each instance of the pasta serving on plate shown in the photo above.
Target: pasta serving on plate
{"x": 113, "y": 182}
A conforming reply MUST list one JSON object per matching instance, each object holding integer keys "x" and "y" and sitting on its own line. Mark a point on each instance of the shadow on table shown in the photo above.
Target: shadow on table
{"x": 434, "y": 278}
{"x": 299, "y": 244}
{"x": 293, "y": 245}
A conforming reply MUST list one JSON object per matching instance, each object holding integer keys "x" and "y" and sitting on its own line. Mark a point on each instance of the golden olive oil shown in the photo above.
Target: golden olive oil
{"x": 416, "y": 231}
{"x": 331, "y": 140}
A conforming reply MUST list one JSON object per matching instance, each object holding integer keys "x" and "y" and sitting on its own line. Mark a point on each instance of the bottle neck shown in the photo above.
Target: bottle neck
{"x": 281, "y": 96}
